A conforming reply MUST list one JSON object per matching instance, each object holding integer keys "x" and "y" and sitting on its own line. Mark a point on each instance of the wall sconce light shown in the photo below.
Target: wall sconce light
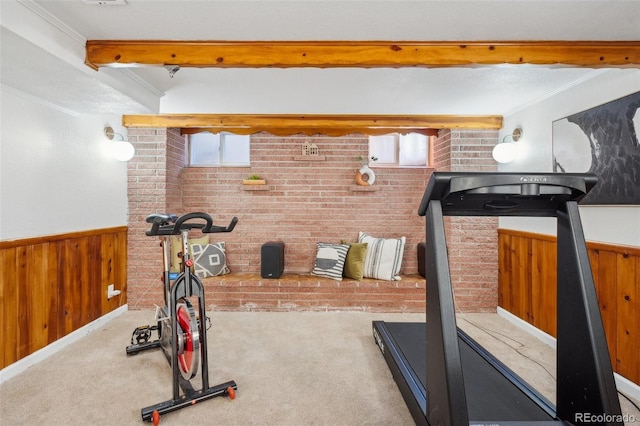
{"x": 121, "y": 150}
{"x": 505, "y": 152}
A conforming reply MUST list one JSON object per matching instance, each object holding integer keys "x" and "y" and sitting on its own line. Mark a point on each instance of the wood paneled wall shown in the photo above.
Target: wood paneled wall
{"x": 51, "y": 286}
{"x": 527, "y": 288}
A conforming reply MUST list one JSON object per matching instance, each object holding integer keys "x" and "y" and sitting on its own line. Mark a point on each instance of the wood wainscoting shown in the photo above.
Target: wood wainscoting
{"x": 51, "y": 286}
{"x": 527, "y": 289}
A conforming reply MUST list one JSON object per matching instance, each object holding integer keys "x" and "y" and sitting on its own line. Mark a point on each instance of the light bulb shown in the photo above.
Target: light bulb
{"x": 122, "y": 150}
{"x": 504, "y": 152}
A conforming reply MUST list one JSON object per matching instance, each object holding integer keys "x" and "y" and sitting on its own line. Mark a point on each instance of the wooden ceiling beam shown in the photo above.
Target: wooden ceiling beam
{"x": 360, "y": 54}
{"x": 334, "y": 125}
{"x": 309, "y": 131}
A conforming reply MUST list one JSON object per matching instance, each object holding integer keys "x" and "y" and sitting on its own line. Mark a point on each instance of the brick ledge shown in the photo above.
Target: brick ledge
{"x": 240, "y": 277}
{"x": 245, "y": 291}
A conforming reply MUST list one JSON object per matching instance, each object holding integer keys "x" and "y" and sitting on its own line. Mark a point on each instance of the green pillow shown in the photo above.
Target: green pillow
{"x": 354, "y": 264}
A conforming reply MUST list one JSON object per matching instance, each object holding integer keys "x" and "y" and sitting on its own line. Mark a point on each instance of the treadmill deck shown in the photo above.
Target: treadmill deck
{"x": 492, "y": 396}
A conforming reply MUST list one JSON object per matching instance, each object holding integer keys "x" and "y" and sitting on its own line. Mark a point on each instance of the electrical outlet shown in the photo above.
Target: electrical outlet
{"x": 112, "y": 292}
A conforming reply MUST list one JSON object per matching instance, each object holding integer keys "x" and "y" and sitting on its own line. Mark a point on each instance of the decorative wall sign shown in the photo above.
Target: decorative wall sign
{"x": 309, "y": 149}
{"x": 603, "y": 140}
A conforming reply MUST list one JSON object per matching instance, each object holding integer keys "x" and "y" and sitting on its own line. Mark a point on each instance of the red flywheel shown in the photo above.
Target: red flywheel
{"x": 189, "y": 336}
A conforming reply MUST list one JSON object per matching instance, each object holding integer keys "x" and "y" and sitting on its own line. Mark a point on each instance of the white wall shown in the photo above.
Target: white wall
{"x": 611, "y": 224}
{"x": 56, "y": 175}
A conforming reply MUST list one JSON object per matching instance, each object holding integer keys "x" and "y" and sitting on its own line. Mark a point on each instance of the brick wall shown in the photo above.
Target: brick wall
{"x": 147, "y": 192}
{"x": 472, "y": 241}
{"x": 442, "y": 150}
{"x": 304, "y": 202}
{"x": 176, "y": 159}
{"x": 307, "y": 201}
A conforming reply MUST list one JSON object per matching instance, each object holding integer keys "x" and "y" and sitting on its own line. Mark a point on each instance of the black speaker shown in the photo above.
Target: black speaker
{"x": 421, "y": 248}
{"x": 272, "y": 259}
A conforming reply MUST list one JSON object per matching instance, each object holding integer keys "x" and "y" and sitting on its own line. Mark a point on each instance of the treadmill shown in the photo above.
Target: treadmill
{"x": 447, "y": 378}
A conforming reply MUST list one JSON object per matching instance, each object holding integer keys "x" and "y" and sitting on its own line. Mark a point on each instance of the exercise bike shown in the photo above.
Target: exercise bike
{"x": 181, "y": 334}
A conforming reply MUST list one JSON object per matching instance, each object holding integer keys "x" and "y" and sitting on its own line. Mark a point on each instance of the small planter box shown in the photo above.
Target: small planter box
{"x": 254, "y": 182}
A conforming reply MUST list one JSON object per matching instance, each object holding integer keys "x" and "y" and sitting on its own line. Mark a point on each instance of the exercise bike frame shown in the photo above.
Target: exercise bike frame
{"x": 185, "y": 286}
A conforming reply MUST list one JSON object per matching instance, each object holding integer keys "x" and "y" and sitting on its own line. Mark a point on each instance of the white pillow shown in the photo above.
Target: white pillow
{"x": 384, "y": 257}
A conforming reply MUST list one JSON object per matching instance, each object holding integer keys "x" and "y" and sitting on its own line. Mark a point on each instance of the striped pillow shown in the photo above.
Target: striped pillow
{"x": 330, "y": 260}
{"x": 384, "y": 257}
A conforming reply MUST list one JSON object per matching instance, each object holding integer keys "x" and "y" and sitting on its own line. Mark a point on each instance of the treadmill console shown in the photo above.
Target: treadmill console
{"x": 505, "y": 194}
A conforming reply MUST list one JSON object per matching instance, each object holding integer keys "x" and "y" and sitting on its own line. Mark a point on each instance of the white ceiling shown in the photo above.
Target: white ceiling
{"x": 43, "y": 54}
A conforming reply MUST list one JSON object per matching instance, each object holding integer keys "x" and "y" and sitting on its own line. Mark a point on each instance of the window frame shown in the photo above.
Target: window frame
{"x": 221, "y": 151}
{"x": 396, "y": 164}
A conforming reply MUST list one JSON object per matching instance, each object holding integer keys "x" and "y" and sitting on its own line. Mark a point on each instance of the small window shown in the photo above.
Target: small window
{"x": 384, "y": 148}
{"x": 219, "y": 149}
{"x": 204, "y": 148}
{"x": 394, "y": 149}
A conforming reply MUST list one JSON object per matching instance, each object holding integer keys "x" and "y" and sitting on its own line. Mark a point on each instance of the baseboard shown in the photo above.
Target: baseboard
{"x": 624, "y": 385}
{"x": 23, "y": 364}
{"x": 522, "y": 324}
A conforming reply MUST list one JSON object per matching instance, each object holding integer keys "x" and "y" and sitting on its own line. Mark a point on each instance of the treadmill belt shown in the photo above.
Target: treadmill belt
{"x": 411, "y": 338}
{"x": 491, "y": 397}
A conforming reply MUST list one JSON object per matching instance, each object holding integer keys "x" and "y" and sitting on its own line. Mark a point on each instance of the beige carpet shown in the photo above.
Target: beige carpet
{"x": 291, "y": 369}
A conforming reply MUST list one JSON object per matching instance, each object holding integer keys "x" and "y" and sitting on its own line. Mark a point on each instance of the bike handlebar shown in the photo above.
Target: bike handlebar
{"x": 170, "y": 224}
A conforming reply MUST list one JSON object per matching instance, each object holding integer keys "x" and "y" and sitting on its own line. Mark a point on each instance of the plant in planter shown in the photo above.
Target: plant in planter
{"x": 365, "y": 161}
{"x": 254, "y": 180}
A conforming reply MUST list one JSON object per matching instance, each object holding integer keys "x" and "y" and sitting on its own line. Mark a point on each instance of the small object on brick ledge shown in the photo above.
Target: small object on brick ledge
{"x": 309, "y": 148}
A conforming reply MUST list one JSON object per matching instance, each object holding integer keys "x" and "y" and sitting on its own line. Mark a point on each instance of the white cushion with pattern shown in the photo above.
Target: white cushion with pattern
{"x": 384, "y": 257}
{"x": 210, "y": 260}
{"x": 330, "y": 260}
